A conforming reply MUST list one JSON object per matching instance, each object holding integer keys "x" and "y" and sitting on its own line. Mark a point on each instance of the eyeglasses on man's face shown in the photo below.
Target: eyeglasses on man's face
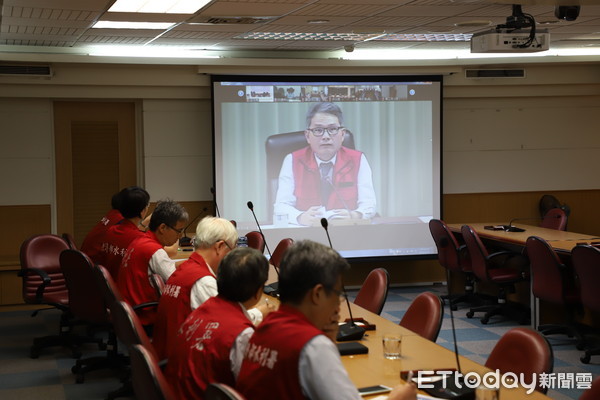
{"x": 179, "y": 231}
{"x": 318, "y": 132}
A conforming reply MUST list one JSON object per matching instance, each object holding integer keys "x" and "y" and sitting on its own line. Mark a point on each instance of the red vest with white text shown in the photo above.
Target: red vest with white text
{"x": 202, "y": 347}
{"x": 307, "y": 179}
{"x": 133, "y": 282}
{"x": 115, "y": 244}
{"x": 93, "y": 240}
{"x": 174, "y": 305}
{"x": 270, "y": 366}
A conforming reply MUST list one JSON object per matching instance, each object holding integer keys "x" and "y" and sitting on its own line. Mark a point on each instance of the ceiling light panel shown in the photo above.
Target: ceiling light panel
{"x": 159, "y": 6}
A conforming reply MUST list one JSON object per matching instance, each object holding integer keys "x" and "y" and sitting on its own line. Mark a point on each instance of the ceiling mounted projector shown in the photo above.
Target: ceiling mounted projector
{"x": 516, "y": 41}
{"x": 512, "y": 37}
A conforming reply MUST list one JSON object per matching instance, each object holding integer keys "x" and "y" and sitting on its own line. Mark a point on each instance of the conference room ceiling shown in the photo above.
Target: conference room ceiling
{"x": 262, "y": 26}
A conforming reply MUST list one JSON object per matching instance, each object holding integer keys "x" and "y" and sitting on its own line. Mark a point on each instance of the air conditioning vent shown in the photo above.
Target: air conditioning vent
{"x": 25, "y": 70}
{"x": 494, "y": 73}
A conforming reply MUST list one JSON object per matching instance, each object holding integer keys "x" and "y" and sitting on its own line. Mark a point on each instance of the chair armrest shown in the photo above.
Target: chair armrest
{"x": 39, "y": 293}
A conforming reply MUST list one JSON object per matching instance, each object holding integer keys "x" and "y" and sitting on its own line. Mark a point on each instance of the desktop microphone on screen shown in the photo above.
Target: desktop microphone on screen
{"x": 185, "y": 240}
{"x": 212, "y": 190}
{"x": 349, "y": 330}
{"x": 271, "y": 289}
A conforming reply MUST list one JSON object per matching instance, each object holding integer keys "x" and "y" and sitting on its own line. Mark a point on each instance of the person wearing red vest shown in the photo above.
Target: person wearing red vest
{"x": 133, "y": 207}
{"x": 194, "y": 282}
{"x": 325, "y": 179}
{"x": 292, "y": 354}
{"x": 92, "y": 243}
{"x": 210, "y": 345}
{"x": 146, "y": 255}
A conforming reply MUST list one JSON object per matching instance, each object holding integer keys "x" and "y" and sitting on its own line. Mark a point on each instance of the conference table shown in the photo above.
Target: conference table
{"x": 562, "y": 241}
{"x": 418, "y": 353}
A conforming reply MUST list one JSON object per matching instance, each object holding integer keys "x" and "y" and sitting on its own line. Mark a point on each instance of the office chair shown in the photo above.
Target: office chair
{"x": 374, "y": 290}
{"x": 67, "y": 237}
{"x": 256, "y": 241}
{"x": 497, "y": 269}
{"x": 280, "y": 145}
{"x": 221, "y": 391}
{"x": 424, "y": 316}
{"x": 522, "y": 351}
{"x": 586, "y": 262}
{"x": 280, "y": 250}
{"x": 148, "y": 380}
{"x": 455, "y": 259}
{"x": 553, "y": 282}
{"x": 43, "y": 283}
{"x": 555, "y": 218}
{"x": 593, "y": 393}
{"x": 87, "y": 305}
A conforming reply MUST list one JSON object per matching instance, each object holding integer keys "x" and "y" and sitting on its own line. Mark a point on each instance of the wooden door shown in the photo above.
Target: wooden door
{"x": 95, "y": 158}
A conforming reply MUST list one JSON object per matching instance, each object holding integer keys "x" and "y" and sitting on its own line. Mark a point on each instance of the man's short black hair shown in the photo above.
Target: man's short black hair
{"x": 133, "y": 201}
{"x": 306, "y": 264}
{"x": 241, "y": 273}
{"x": 167, "y": 212}
{"x": 324, "y": 108}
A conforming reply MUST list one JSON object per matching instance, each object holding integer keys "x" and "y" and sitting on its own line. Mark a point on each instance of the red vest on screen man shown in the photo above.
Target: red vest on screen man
{"x": 133, "y": 281}
{"x": 270, "y": 366}
{"x": 175, "y": 303}
{"x": 92, "y": 243}
{"x": 200, "y": 354}
{"x": 307, "y": 178}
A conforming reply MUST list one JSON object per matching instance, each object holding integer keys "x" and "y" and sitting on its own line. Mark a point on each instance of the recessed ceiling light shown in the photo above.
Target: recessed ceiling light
{"x": 132, "y": 25}
{"x": 159, "y": 6}
{"x": 318, "y": 21}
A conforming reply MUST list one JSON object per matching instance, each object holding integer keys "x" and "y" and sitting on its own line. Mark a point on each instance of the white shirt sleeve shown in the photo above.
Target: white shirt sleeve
{"x": 160, "y": 263}
{"x": 236, "y": 354}
{"x": 285, "y": 201}
{"x": 367, "y": 203}
{"x": 203, "y": 289}
{"x": 322, "y": 374}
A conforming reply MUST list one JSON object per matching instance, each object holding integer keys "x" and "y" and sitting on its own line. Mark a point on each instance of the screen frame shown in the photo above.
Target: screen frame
{"x": 341, "y": 78}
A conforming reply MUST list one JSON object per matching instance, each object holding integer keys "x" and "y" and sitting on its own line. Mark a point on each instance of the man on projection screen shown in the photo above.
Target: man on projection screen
{"x": 325, "y": 179}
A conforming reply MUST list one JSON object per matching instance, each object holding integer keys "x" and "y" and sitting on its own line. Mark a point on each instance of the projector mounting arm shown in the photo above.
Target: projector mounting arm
{"x": 519, "y": 20}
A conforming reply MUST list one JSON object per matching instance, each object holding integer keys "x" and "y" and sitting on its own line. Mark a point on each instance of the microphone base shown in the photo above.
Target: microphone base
{"x": 185, "y": 241}
{"x": 350, "y": 331}
{"x": 510, "y": 228}
{"x": 448, "y": 389}
{"x": 272, "y": 289}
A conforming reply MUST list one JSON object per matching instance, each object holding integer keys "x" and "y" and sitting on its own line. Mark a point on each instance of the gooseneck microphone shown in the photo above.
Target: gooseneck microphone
{"x": 185, "y": 240}
{"x": 451, "y": 387}
{"x": 212, "y": 190}
{"x": 511, "y": 228}
{"x": 271, "y": 289}
{"x": 349, "y": 330}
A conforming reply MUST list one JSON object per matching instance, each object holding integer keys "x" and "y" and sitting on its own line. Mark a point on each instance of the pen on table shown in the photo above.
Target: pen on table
{"x": 409, "y": 378}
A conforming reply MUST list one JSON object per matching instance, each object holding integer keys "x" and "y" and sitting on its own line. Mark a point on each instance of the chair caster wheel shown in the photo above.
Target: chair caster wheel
{"x": 484, "y": 321}
{"x": 470, "y": 314}
{"x": 585, "y": 359}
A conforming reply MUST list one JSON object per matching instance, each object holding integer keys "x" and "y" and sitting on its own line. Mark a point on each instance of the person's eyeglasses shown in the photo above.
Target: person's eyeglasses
{"x": 179, "y": 231}
{"x": 226, "y": 244}
{"x": 318, "y": 132}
